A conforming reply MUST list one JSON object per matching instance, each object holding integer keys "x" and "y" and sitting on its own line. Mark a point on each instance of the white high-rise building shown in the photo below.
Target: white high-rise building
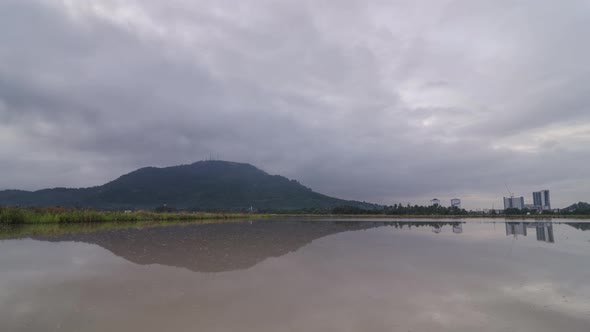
{"x": 542, "y": 200}
{"x": 455, "y": 202}
{"x": 435, "y": 201}
{"x": 514, "y": 203}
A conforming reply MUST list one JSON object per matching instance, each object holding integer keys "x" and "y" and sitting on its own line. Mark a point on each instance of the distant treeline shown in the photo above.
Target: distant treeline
{"x": 396, "y": 209}
{"x": 18, "y": 215}
{"x": 578, "y": 209}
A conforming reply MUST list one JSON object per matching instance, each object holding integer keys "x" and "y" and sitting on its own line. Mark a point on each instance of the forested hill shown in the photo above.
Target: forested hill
{"x": 203, "y": 185}
{"x": 579, "y": 208}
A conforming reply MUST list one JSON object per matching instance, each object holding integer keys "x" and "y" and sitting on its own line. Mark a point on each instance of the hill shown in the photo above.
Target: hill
{"x": 580, "y": 208}
{"x": 204, "y": 185}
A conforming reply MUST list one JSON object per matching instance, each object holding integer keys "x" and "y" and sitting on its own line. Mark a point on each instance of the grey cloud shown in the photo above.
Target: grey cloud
{"x": 391, "y": 101}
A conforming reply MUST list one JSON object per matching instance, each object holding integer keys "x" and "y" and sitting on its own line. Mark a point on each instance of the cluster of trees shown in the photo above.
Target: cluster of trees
{"x": 514, "y": 211}
{"x": 423, "y": 210}
{"x": 298, "y": 211}
{"x": 580, "y": 208}
{"x": 398, "y": 209}
{"x": 575, "y": 209}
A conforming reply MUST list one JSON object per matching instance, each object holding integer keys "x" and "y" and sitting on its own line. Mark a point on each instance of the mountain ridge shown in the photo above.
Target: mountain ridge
{"x": 203, "y": 185}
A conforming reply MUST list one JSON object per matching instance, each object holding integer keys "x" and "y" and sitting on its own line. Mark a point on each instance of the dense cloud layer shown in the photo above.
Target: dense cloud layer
{"x": 392, "y": 101}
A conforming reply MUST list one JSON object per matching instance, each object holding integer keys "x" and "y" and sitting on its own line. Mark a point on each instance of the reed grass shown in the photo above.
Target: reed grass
{"x": 15, "y": 215}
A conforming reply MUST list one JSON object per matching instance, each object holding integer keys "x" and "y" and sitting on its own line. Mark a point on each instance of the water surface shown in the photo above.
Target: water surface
{"x": 298, "y": 275}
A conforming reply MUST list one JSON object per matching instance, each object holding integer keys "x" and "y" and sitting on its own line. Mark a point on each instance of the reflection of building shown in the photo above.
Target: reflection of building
{"x": 457, "y": 228}
{"x": 435, "y": 201}
{"x": 455, "y": 202}
{"x": 513, "y": 228}
{"x": 545, "y": 232}
{"x": 542, "y": 200}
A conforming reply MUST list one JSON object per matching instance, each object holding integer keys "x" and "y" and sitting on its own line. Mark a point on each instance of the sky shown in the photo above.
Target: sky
{"x": 384, "y": 101}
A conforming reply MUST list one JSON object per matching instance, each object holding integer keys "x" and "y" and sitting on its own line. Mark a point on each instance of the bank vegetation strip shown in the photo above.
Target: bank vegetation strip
{"x": 16, "y": 215}
{"x": 12, "y": 215}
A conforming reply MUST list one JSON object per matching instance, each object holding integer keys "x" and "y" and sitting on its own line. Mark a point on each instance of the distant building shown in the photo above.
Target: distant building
{"x": 435, "y": 201}
{"x": 514, "y": 203}
{"x": 542, "y": 200}
{"x": 455, "y": 202}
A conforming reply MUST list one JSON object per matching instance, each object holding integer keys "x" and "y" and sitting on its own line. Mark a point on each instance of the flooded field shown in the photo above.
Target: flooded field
{"x": 298, "y": 275}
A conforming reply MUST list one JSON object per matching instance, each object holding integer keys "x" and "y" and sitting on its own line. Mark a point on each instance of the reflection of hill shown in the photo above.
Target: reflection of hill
{"x": 211, "y": 247}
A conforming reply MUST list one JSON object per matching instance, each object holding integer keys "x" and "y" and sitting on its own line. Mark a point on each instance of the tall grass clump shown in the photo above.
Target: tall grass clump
{"x": 12, "y": 216}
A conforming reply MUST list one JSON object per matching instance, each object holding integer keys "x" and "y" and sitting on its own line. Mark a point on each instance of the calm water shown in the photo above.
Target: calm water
{"x": 297, "y": 275}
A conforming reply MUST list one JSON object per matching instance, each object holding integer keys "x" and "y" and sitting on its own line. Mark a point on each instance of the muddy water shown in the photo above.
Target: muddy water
{"x": 298, "y": 275}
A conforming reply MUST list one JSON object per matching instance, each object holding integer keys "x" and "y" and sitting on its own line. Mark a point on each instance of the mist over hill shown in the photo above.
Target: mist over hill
{"x": 204, "y": 185}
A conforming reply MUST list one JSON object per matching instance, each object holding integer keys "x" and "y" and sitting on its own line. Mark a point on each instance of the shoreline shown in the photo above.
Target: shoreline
{"x": 9, "y": 231}
{"x": 16, "y": 216}
{"x": 31, "y": 216}
{"x": 439, "y": 216}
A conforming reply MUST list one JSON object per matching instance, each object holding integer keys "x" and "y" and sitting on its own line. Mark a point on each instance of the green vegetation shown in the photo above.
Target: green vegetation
{"x": 14, "y": 215}
{"x": 435, "y": 211}
{"x": 578, "y": 208}
{"x": 387, "y": 211}
{"x": 60, "y": 215}
{"x": 513, "y": 212}
{"x": 398, "y": 209}
{"x": 375, "y": 210}
{"x": 12, "y": 231}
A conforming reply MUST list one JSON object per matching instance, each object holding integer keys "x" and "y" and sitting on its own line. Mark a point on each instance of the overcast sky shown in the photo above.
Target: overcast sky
{"x": 383, "y": 101}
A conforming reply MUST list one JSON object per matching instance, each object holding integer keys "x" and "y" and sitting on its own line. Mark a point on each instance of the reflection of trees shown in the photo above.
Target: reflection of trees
{"x": 579, "y": 225}
{"x": 437, "y": 227}
{"x": 406, "y": 224}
